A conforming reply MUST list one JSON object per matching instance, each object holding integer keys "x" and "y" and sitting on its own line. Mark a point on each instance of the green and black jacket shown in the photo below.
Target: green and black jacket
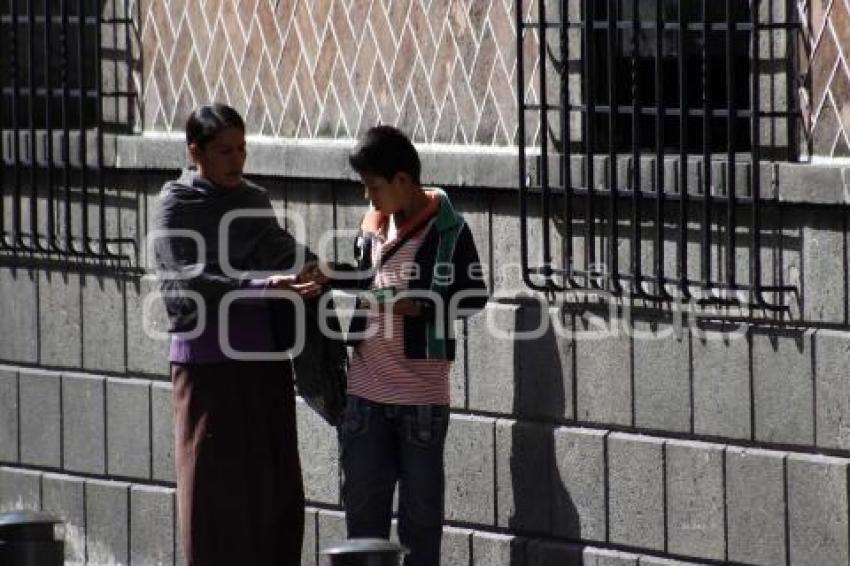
{"x": 448, "y": 242}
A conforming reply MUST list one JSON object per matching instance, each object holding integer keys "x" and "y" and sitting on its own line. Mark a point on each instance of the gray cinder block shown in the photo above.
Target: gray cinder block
{"x": 470, "y": 470}
{"x": 350, "y": 206}
{"x": 492, "y": 369}
{"x": 507, "y": 278}
{"x": 721, "y": 383}
{"x": 490, "y": 549}
{"x": 544, "y": 552}
{"x": 128, "y": 421}
{"x": 457, "y": 547}
{"x": 107, "y": 522}
{"x": 59, "y": 319}
{"x": 755, "y": 502}
{"x": 823, "y": 276}
{"x": 817, "y": 510}
{"x": 64, "y": 497}
{"x": 19, "y": 489}
{"x": 636, "y": 490}
{"x": 103, "y": 323}
{"x": 179, "y": 553}
{"x": 319, "y": 455}
{"x": 656, "y": 561}
{"x": 331, "y": 531}
{"x": 524, "y": 459}
{"x": 151, "y": 525}
{"x": 8, "y": 414}
{"x": 544, "y": 363}
{"x": 457, "y": 373}
{"x": 19, "y": 323}
{"x": 147, "y": 325}
{"x": 695, "y": 506}
{"x": 162, "y": 442}
{"x": 40, "y": 418}
{"x": 578, "y": 484}
{"x": 662, "y": 377}
{"x": 83, "y": 423}
{"x": 603, "y": 371}
{"x": 309, "y": 209}
{"x": 832, "y": 358}
{"x": 605, "y": 557}
{"x": 309, "y": 556}
{"x": 783, "y": 387}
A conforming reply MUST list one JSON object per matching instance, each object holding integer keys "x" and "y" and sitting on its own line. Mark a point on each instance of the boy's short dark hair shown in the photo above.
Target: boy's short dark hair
{"x": 385, "y": 151}
{"x": 206, "y": 121}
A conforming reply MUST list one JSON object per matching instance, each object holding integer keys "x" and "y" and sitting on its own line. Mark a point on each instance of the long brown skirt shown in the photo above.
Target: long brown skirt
{"x": 239, "y": 488}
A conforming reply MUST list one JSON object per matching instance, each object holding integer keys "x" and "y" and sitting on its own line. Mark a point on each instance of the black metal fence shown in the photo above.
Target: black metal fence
{"x": 642, "y": 126}
{"x": 66, "y": 73}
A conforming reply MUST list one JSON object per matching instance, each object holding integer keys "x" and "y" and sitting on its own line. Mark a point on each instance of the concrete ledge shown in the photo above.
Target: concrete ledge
{"x": 327, "y": 159}
{"x": 821, "y": 182}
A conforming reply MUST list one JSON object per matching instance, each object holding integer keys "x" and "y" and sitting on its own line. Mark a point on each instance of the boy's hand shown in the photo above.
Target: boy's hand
{"x": 289, "y": 283}
{"x": 403, "y": 307}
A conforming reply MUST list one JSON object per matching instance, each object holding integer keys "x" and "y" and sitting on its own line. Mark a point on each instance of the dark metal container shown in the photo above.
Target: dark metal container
{"x": 365, "y": 552}
{"x": 31, "y": 538}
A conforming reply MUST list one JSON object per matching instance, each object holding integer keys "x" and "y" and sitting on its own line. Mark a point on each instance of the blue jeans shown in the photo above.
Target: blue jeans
{"x": 384, "y": 444}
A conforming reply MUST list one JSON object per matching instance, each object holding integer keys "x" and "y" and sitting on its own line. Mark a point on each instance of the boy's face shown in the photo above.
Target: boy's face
{"x": 388, "y": 196}
{"x": 221, "y": 161}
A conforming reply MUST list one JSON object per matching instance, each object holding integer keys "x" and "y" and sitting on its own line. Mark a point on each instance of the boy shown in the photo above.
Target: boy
{"x": 423, "y": 268}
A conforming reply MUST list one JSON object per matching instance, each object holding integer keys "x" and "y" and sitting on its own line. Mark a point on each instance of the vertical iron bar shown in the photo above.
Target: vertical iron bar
{"x": 83, "y": 134}
{"x": 683, "y": 156}
{"x": 128, "y": 59}
{"x": 706, "y": 155}
{"x": 66, "y": 129}
{"x": 730, "y": 140}
{"x": 3, "y": 245}
{"x": 98, "y": 22}
{"x": 613, "y": 216}
{"x": 659, "y": 150}
{"x": 755, "y": 144}
{"x": 48, "y": 125}
{"x": 521, "y": 109}
{"x": 587, "y": 83}
{"x": 565, "y": 148}
{"x": 792, "y": 69}
{"x": 544, "y": 142}
{"x": 637, "y": 276}
{"x": 115, "y": 82}
{"x": 33, "y": 149}
{"x": 16, "y": 134}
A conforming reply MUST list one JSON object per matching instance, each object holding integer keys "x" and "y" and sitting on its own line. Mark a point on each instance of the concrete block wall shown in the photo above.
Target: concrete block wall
{"x": 615, "y": 436}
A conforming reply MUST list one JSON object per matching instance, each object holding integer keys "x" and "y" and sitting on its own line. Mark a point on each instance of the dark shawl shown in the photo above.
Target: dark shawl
{"x": 254, "y": 244}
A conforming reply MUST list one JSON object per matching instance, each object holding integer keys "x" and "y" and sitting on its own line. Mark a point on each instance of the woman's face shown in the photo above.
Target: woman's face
{"x": 222, "y": 160}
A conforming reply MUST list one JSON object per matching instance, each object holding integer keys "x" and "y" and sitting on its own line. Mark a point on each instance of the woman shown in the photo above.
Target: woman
{"x": 240, "y": 493}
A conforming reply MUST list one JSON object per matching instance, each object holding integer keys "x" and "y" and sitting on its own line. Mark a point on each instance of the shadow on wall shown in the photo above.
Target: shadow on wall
{"x": 536, "y": 485}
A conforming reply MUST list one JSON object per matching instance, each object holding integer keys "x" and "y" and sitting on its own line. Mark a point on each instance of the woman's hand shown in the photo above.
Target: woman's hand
{"x": 307, "y": 289}
{"x": 315, "y": 271}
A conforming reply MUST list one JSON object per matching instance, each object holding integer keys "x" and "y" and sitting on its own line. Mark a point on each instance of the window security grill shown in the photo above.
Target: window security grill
{"x": 65, "y": 74}
{"x": 642, "y": 129}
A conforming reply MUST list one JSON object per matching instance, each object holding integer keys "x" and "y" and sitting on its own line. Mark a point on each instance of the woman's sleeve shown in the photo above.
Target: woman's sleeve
{"x": 277, "y": 249}
{"x": 179, "y": 270}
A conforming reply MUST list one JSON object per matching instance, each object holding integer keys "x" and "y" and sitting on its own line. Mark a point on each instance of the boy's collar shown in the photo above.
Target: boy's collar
{"x": 375, "y": 221}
